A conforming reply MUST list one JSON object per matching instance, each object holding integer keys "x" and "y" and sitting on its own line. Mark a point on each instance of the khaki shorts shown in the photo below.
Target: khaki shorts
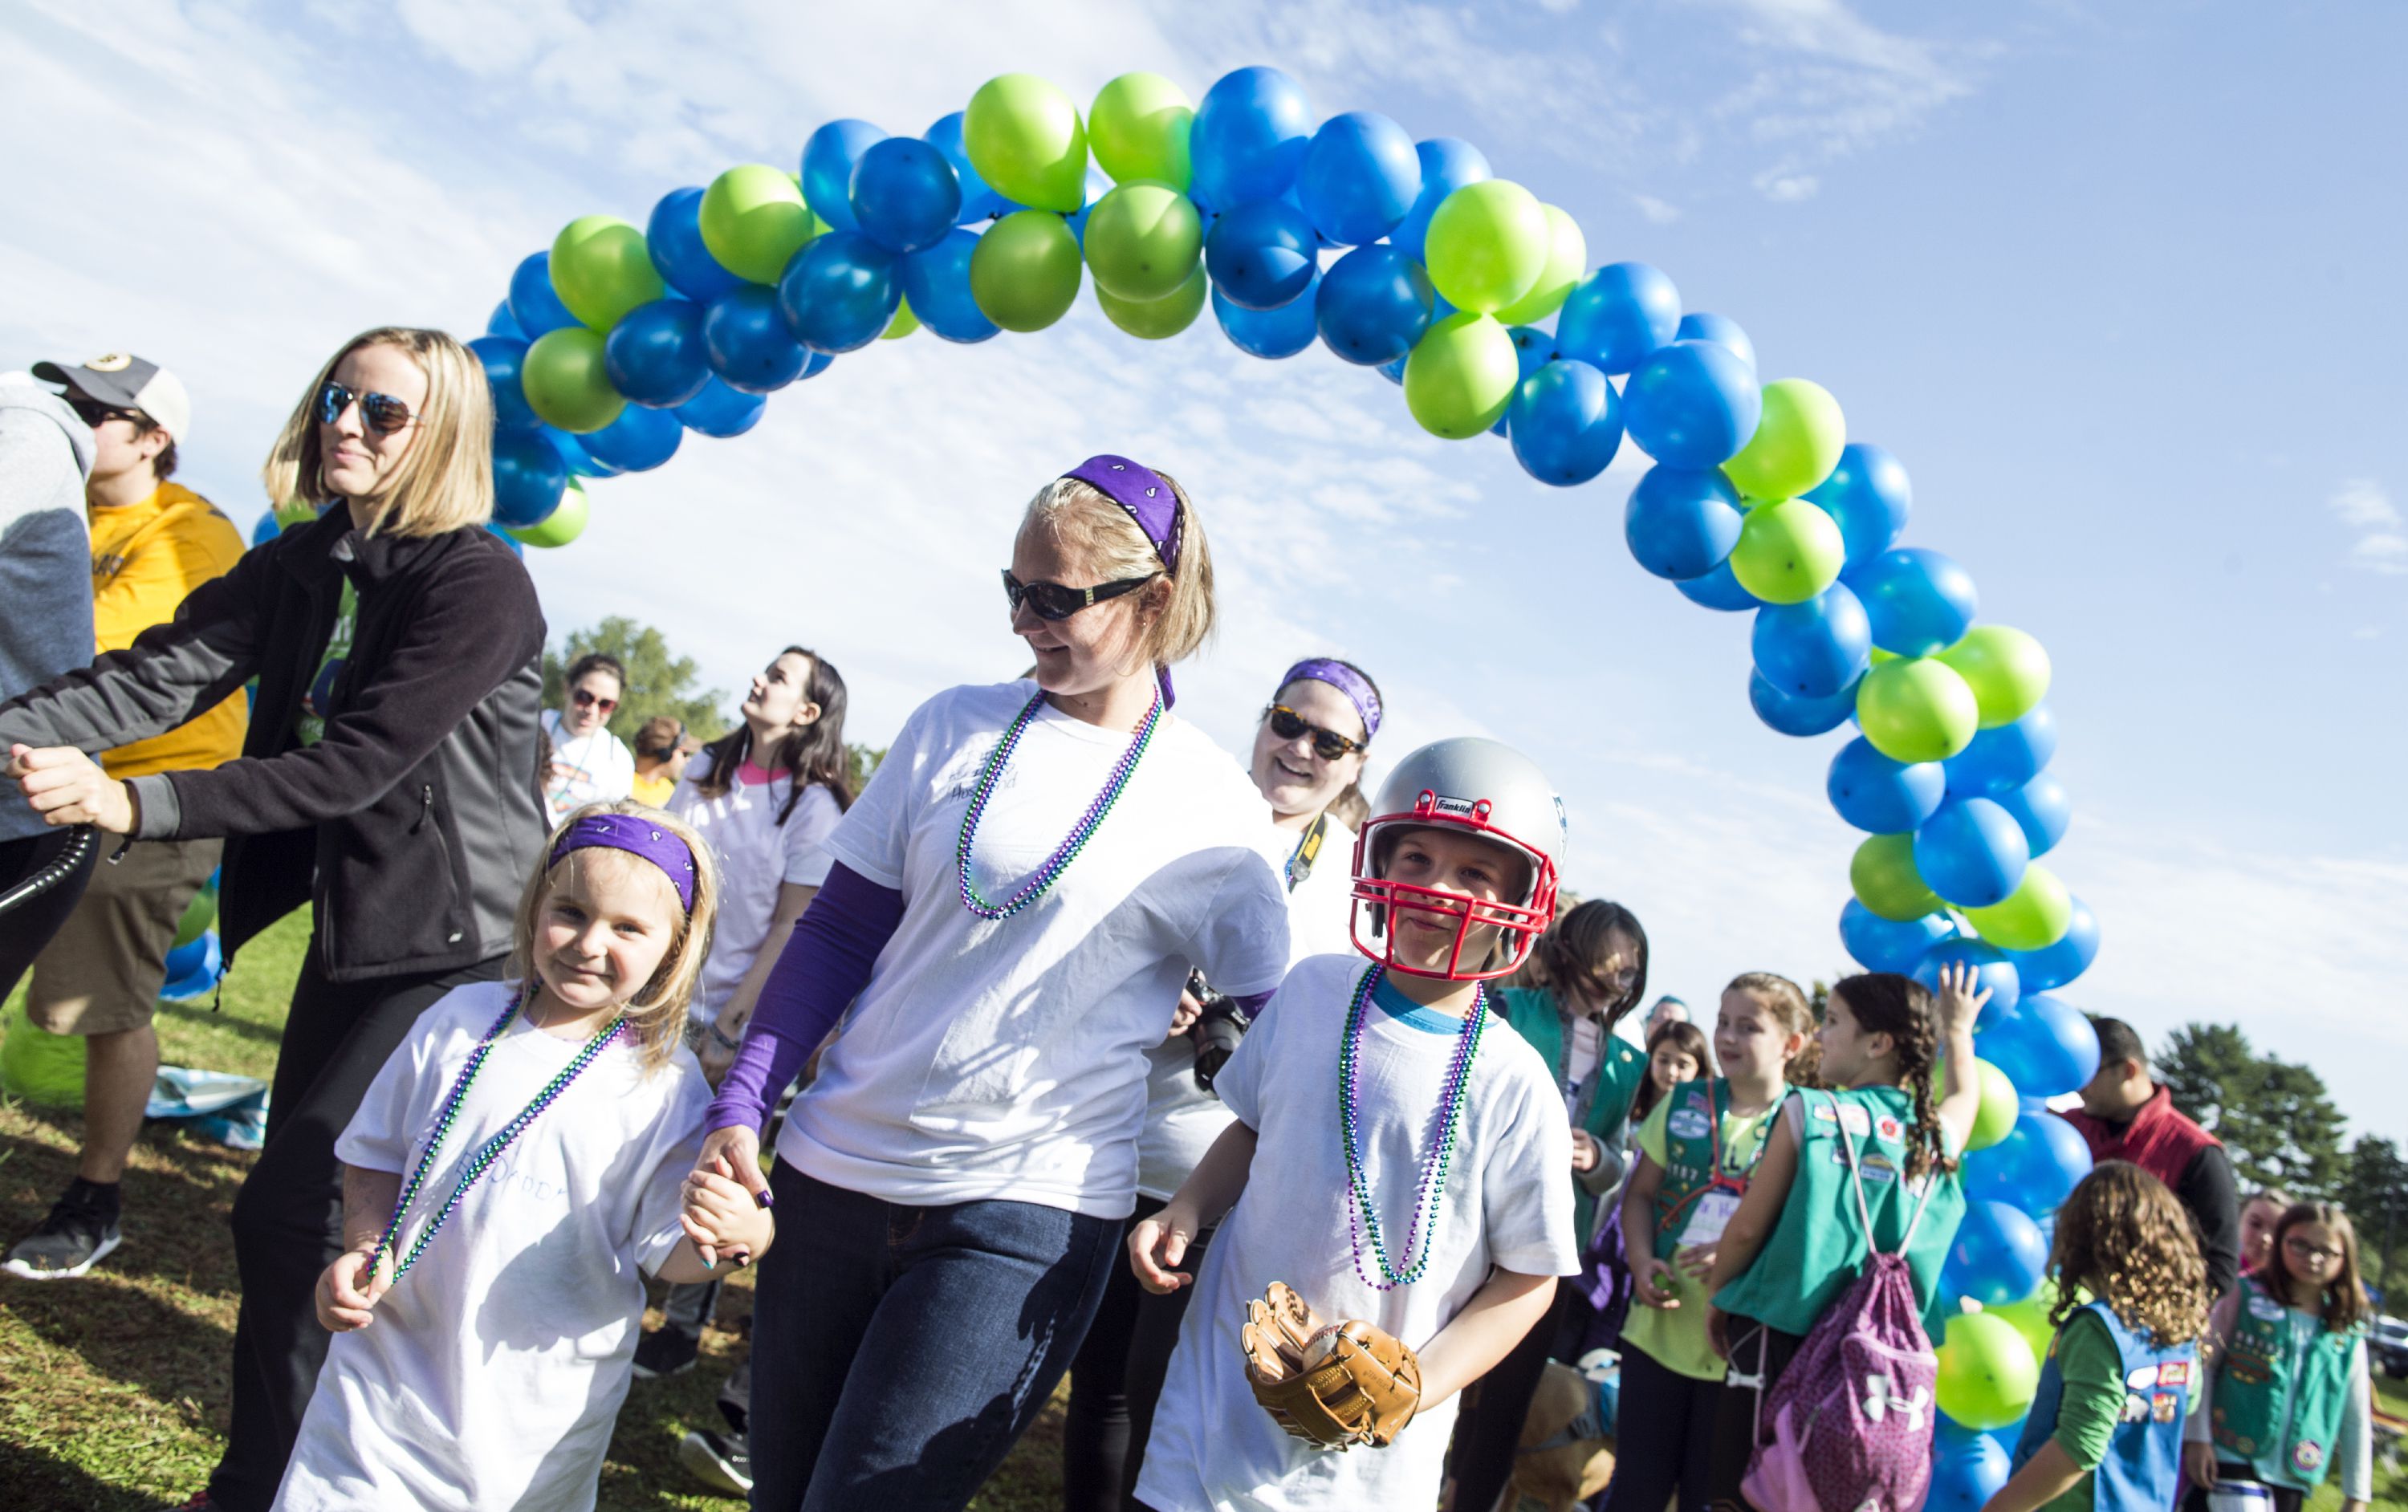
{"x": 102, "y": 971}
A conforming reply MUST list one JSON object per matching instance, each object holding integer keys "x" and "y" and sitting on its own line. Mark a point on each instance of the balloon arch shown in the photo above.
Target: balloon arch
{"x": 1410, "y": 258}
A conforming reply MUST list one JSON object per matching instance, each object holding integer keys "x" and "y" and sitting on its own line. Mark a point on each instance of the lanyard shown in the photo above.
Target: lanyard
{"x": 1299, "y": 860}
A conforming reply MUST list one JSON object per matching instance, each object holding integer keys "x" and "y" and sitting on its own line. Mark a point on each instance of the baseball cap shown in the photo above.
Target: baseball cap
{"x": 128, "y": 381}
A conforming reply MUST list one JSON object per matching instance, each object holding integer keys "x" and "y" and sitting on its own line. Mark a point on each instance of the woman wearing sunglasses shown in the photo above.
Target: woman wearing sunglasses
{"x": 1309, "y": 747}
{"x": 388, "y": 781}
{"x": 589, "y": 765}
{"x": 1013, "y": 904}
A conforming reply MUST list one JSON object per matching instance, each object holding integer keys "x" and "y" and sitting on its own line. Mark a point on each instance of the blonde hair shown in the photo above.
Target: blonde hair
{"x": 1784, "y": 998}
{"x": 2127, "y": 1240}
{"x": 1087, "y": 522}
{"x": 445, "y": 481}
{"x": 655, "y": 1016}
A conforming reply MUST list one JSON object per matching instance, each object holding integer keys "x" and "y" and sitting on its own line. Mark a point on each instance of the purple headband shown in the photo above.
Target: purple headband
{"x": 1141, "y": 491}
{"x": 1356, "y": 687}
{"x": 637, "y": 838}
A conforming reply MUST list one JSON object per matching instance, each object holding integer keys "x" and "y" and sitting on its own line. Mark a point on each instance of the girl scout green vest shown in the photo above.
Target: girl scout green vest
{"x": 1818, "y": 1245}
{"x": 2261, "y": 1371}
{"x": 1693, "y": 1158}
{"x": 1602, "y": 1107}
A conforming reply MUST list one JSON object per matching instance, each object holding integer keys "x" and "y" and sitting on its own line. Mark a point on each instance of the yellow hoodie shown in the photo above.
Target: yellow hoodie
{"x": 145, "y": 557}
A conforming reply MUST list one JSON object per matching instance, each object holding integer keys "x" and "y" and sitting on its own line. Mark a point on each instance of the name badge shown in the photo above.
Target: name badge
{"x": 1708, "y": 1217}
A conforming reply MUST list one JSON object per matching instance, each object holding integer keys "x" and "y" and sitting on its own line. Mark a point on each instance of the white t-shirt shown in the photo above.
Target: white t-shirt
{"x": 494, "y": 1368}
{"x": 756, "y": 856}
{"x": 1006, "y": 1059}
{"x": 1506, "y": 1205}
{"x": 1182, "y": 1119}
{"x": 598, "y": 769}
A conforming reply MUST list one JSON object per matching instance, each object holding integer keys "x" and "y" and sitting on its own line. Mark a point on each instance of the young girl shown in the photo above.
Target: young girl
{"x": 515, "y": 1167}
{"x": 1796, "y": 1242}
{"x": 1676, "y": 1052}
{"x": 588, "y": 762}
{"x": 2258, "y": 1215}
{"x": 2287, "y": 1398}
{"x": 1442, "y": 1137}
{"x": 2106, "y": 1427}
{"x": 1697, "y": 1151}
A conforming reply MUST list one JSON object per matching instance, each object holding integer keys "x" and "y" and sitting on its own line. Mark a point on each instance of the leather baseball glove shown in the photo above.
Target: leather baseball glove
{"x": 1333, "y": 1385}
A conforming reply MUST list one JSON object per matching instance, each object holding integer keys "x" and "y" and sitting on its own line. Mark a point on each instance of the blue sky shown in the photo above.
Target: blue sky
{"x": 2116, "y": 282}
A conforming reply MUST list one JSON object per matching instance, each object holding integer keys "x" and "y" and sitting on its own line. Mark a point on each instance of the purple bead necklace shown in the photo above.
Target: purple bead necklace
{"x": 1362, "y": 1219}
{"x": 1068, "y": 851}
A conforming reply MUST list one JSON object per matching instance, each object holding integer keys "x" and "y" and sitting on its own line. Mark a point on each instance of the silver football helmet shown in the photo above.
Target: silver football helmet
{"x": 1484, "y": 788}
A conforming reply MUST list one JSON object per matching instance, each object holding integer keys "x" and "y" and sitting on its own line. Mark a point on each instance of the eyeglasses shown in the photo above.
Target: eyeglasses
{"x": 1328, "y": 745}
{"x": 1054, "y": 601}
{"x": 95, "y": 414}
{"x": 2314, "y": 1253}
{"x": 582, "y": 699}
{"x": 382, "y": 413}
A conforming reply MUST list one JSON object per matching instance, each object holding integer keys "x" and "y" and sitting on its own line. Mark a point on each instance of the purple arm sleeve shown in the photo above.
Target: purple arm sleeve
{"x": 1253, "y": 1003}
{"x": 823, "y": 967}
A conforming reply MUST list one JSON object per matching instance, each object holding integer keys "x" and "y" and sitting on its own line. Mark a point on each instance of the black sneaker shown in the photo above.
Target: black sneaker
{"x": 717, "y": 1461}
{"x": 666, "y": 1351}
{"x": 77, "y": 1235}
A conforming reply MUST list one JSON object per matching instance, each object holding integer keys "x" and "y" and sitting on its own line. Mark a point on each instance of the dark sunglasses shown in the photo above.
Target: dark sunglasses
{"x": 382, "y": 413}
{"x": 1052, "y": 601}
{"x": 606, "y": 704}
{"x": 95, "y": 414}
{"x": 1328, "y": 745}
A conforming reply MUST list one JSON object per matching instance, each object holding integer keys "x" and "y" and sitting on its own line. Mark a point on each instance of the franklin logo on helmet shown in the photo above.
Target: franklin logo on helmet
{"x": 1458, "y": 861}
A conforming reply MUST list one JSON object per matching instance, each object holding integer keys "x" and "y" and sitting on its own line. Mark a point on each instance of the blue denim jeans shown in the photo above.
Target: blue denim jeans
{"x": 898, "y": 1353}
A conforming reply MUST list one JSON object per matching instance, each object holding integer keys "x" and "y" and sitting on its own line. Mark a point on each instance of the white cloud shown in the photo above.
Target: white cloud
{"x": 1657, "y": 212}
{"x": 1788, "y": 188}
{"x": 2380, "y": 536}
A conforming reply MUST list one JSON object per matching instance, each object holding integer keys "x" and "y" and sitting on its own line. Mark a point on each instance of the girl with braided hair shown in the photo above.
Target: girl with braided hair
{"x": 1796, "y": 1241}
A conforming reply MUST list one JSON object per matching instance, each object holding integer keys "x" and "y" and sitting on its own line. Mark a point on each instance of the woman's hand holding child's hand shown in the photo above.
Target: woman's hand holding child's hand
{"x": 722, "y": 1218}
{"x": 733, "y": 1152}
{"x": 344, "y": 1303}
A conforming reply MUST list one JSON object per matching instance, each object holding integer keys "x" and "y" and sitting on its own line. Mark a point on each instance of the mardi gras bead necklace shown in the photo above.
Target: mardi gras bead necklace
{"x": 1362, "y": 1219}
{"x": 1068, "y": 851}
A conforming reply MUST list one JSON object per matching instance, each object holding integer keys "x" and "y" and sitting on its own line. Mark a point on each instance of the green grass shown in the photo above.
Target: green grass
{"x": 113, "y": 1389}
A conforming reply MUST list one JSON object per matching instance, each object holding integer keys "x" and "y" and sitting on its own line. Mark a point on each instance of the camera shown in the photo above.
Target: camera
{"x": 1216, "y": 1032}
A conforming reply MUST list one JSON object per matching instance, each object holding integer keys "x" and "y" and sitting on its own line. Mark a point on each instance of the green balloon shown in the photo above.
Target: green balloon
{"x": 1796, "y": 443}
{"x": 1915, "y": 709}
{"x": 1885, "y": 879}
{"x": 601, "y": 269}
{"x": 2029, "y": 1317}
{"x": 2033, "y": 917}
{"x": 1024, "y": 271}
{"x": 1567, "y": 265}
{"x": 1987, "y": 1373}
{"x": 564, "y": 383}
{"x": 1998, "y": 1109}
{"x": 2007, "y": 669}
{"x": 560, "y": 527}
{"x": 904, "y": 323}
{"x": 1460, "y": 376}
{"x": 1152, "y": 319}
{"x": 1788, "y": 551}
{"x": 41, "y": 1066}
{"x": 753, "y": 221}
{"x": 1487, "y": 245}
{"x": 1025, "y": 140}
{"x": 199, "y": 915}
{"x": 1142, "y": 241}
{"x": 1139, "y": 127}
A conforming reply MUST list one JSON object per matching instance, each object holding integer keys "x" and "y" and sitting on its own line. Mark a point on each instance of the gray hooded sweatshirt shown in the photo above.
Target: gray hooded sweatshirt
{"x": 45, "y": 555}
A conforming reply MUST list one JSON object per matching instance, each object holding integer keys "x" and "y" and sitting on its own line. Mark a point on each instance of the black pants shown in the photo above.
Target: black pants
{"x": 26, "y": 928}
{"x": 1758, "y": 1355}
{"x": 1116, "y": 1379}
{"x": 288, "y": 1217}
{"x": 1489, "y": 1429}
{"x": 1669, "y": 1421}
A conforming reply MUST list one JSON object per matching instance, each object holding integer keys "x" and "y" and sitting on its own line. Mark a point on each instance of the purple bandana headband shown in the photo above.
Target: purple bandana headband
{"x": 1141, "y": 491}
{"x": 1356, "y": 687}
{"x": 637, "y": 838}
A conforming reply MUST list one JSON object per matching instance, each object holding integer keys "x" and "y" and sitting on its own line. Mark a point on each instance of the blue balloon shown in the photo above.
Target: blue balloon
{"x": 1533, "y": 348}
{"x": 1263, "y": 254}
{"x": 1715, "y": 590}
{"x": 1920, "y": 601}
{"x": 1815, "y": 648}
{"x": 1881, "y": 797}
{"x": 1097, "y": 186}
{"x": 2046, "y": 1048}
{"x": 2048, "y": 969}
{"x": 573, "y": 455}
{"x": 192, "y": 967}
{"x": 502, "y": 535}
{"x": 1566, "y": 423}
{"x": 503, "y": 323}
{"x": 656, "y": 356}
{"x": 1618, "y": 314}
{"x": 2041, "y": 809}
{"x": 828, "y": 158}
{"x": 1373, "y": 306}
{"x": 1896, "y": 945}
{"x": 2002, "y": 759}
{"x": 1868, "y": 493}
{"x": 978, "y": 202}
{"x": 2034, "y": 1168}
{"x": 1447, "y": 165}
{"x": 746, "y": 342}
{"x": 639, "y": 440}
{"x": 673, "y": 239}
{"x": 1966, "y": 1473}
{"x": 1360, "y": 176}
{"x": 1998, "y": 1256}
{"x": 1267, "y": 332}
{"x": 1691, "y": 404}
{"x": 937, "y": 284}
{"x": 1682, "y": 522}
{"x": 1790, "y": 714}
{"x": 503, "y": 358}
{"x": 1249, "y": 137}
{"x": 1993, "y": 973}
{"x": 1394, "y": 372}
{"x": 1719, "y": 329}
{"x": 529, "y": 477}
{"x": 533, "y": 301}
{"x": 719, "y": 410}
{"x": 1971, "y": 852}
{"x": 904, "y": 195}
{"x": 839, "y": 292}
{"x": 269, "y": 528}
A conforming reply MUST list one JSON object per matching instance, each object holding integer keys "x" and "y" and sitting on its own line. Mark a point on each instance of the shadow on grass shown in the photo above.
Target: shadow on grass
{"x": 197, "y": 1013}
{"x": 178, "y": 1196}
{"x": 41, "y": 1482}
{"x": 128, "y": 1333}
